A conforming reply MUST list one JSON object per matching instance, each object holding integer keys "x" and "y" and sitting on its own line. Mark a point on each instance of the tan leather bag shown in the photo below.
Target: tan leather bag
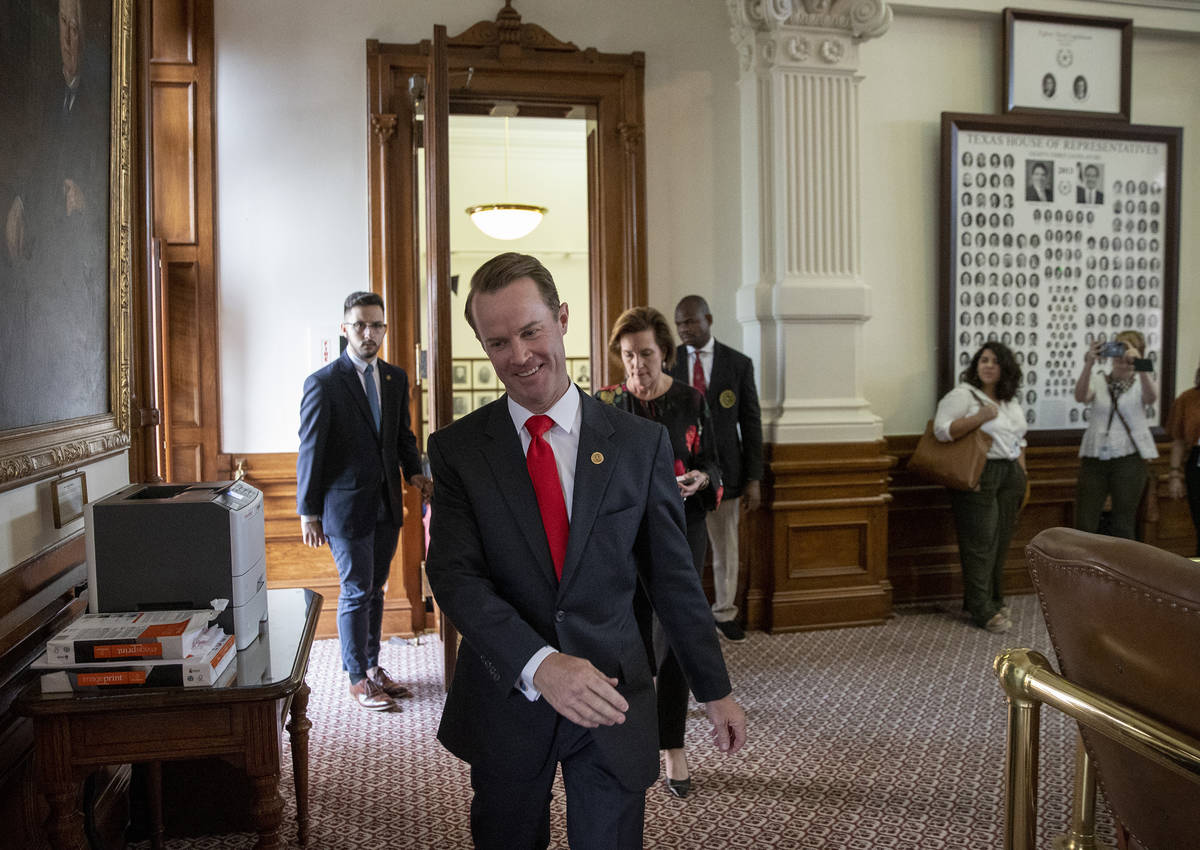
{"x": 956, "y": 465}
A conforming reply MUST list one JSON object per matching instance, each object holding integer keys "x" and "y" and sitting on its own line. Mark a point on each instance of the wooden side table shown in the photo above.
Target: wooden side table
{"x": 241, "y": 722}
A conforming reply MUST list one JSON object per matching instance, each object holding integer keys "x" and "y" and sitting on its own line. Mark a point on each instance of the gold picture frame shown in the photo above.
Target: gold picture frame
{"x": 35, "y": 452}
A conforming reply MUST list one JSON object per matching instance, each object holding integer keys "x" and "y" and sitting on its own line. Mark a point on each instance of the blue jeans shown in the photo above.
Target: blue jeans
{"x": 362, "y": 565}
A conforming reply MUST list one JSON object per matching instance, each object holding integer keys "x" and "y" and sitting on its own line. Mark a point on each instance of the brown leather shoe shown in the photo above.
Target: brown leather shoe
{"x": 370, "y": 696}
{"x": 387, "y": 684}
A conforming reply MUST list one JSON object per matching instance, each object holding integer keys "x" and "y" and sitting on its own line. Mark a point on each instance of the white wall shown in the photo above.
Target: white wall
{"x": 291, "y": 170}
{"x": 929, "y": 63}
{"x": 290, "y": 100}
{"x": 27, "y": 519}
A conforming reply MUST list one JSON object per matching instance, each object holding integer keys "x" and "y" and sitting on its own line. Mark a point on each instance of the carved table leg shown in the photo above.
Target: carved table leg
{"x": 154, "y": 792}
{"x": 64, "y": 827}
{"x": 298, "y": 727}
{"x": 268, "y": 811}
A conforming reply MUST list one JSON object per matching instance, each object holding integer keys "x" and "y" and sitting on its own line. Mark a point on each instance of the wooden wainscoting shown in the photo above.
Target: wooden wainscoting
{"x": 292, "y": 564}
{"x": 816, "y": 554}
{"x": 923, "y": 560}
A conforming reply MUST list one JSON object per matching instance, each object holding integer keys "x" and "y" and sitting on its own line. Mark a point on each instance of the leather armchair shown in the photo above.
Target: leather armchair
{"x": 1124, "y": 621}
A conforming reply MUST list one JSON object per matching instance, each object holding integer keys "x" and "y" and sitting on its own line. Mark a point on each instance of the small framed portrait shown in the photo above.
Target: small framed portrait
{"x": 68, "y": 495}
{"x": 483, "y": 377}
{"x": 581, "y": 372}
{"x": 460, "y": 374}
{"x": 479, "y": 399}
{"x": 460, "y": 404}
{"x": 1066, "y": 64}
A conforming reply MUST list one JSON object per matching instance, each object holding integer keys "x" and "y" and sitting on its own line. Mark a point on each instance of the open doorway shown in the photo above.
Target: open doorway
{"x": 578, "y": 111}
{"x": 534, "y": 161}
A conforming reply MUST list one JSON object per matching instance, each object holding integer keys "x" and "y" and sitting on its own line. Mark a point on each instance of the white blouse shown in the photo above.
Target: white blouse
{"x": 1106, "y": 437}
{"x": 1007, "y": 428}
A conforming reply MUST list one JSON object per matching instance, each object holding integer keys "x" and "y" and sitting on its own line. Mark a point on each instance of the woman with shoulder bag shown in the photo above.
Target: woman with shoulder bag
{"x": 984, "y": 518}
{"x": 1117, "y": 442}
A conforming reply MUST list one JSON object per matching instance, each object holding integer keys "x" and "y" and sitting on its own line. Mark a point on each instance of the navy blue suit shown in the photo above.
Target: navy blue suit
{"x": 490, "y": 568}
{"x": 351, "y": 476}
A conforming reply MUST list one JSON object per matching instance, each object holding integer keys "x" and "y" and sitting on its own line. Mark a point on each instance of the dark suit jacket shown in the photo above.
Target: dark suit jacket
{"x": 490, "y": 569}
{"x": 1031, "y": 193}
{"x": 344, "y": 465}
{"x": 1081, "y": 196}
{"x": 733, "y": 400}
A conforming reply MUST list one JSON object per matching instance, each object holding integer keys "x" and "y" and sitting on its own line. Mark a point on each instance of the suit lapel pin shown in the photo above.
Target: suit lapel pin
{"x": 597, "y": 458}
{"x": 728, "y": 398}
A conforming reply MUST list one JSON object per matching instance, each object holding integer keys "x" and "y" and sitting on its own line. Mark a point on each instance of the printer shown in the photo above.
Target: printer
{"x": 180, "y": 546}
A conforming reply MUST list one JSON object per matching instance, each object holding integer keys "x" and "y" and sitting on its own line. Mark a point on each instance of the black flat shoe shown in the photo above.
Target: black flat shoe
{"x": 679, "y": 787}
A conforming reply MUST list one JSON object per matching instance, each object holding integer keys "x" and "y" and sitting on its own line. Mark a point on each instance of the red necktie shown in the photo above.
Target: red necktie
{"x": 698, "y": 375}
{"x": 543, "y": 471}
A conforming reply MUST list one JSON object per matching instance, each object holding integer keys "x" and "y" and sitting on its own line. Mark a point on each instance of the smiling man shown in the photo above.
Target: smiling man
{"x": 549, "y": 506}
{"x": 355, "y": 443}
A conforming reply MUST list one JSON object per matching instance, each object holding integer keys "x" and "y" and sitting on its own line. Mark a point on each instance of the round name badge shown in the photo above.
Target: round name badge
{"x": 728, "y": 399}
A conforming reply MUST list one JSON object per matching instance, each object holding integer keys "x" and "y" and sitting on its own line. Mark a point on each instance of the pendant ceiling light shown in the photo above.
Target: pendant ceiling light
{"x": 506, "y": 221}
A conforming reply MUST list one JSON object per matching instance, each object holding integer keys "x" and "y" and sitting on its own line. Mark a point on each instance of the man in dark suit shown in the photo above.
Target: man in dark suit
{"x": 548, "y": 508}
{"x": 1090, "y": 192}
{"x": 355, "y": 439}
{"x": 726, "y": 377}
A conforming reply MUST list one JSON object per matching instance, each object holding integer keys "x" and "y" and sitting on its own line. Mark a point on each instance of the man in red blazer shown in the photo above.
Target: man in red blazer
{"x": 549, "y": 507}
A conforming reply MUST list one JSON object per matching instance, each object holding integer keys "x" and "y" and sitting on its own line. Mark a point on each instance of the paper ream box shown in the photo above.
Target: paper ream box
{"x": 213, "y": 655}
{"x": 114, "y": 638}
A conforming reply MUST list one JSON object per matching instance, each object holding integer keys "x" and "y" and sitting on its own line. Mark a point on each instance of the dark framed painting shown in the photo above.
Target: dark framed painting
{"x": 1055, "y": 235}
{"x": 65, "y": 261}
{"x": 1066, "y": 64}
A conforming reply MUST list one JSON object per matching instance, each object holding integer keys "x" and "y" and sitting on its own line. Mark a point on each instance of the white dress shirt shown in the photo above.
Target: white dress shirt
{"x": 1007, "y": 428}
{"x": 563, "y": 438}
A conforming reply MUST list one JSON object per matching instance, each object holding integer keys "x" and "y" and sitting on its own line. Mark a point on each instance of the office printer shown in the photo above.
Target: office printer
{"x": 180, "y": 546}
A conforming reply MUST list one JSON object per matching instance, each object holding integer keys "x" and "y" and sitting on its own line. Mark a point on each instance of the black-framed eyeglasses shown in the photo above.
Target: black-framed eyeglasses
{"x": 359, "y": 327}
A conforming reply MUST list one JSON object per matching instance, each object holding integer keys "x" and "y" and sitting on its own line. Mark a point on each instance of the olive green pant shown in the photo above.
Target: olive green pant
{"x": 984, "y": 519}
{"x": 1124, "y": 478}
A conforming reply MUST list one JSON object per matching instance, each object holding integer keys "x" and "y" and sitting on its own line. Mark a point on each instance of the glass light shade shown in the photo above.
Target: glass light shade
{"x": 506, "y": 221}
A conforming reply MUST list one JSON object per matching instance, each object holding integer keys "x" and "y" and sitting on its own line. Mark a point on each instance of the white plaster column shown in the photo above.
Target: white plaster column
{"x": 802, "y": 302}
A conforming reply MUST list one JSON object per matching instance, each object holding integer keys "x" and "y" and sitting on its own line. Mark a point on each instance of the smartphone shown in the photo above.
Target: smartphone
{"x": 1112, "y": 349}
{"x": 1143, "y": 364}
{"x": 686, "y": 478}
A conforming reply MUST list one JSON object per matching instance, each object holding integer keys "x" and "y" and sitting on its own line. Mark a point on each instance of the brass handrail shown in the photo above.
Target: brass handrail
{"x": 1028, "y": 681}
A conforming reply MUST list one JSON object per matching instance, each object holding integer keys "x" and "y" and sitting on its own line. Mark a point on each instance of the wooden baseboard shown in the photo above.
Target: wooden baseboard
{"x": 923, "y": 561}
{"x": 817, "y": 552}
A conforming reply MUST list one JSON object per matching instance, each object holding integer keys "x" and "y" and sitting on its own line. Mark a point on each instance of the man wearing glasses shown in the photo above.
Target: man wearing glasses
{"x": 355, "y": 441}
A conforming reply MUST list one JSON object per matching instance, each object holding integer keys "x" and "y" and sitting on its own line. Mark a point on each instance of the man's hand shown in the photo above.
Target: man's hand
{"x": 728, "y": 724}
{"x": 580, "y": 692}
{"x": 751, "y": 496}
{"x": 312, "y": 533}
{"x": 425, "y": 484}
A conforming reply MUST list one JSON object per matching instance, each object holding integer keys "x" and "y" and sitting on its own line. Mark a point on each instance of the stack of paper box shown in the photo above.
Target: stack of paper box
{"x": 141, "y": 649}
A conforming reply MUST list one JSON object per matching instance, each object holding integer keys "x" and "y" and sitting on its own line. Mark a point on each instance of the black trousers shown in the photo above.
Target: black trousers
{"x": 984, "y": 519}
{"x": 671, "y": 684}
{"x": 509, "y": 814}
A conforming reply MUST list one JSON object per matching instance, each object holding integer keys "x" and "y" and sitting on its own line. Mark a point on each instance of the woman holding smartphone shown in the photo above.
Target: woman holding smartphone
{"x": 641, "y": 341}
{"x": 1117, "y": 442}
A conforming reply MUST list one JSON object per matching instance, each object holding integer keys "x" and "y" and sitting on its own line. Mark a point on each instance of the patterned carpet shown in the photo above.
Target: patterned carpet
{"x": 882, "y": 737}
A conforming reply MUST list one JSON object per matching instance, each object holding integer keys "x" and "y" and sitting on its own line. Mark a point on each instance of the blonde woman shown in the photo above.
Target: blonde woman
{"x": 1117, "y": 442}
